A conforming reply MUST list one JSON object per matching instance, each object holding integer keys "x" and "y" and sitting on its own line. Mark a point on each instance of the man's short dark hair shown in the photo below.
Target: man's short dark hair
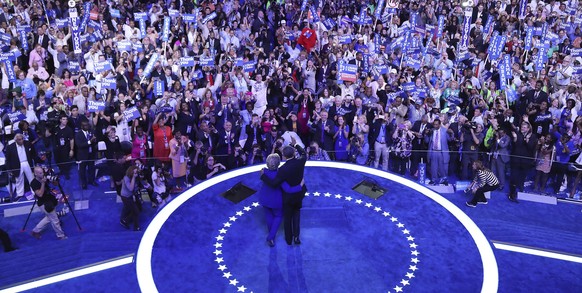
{"x": 288, "y": 152}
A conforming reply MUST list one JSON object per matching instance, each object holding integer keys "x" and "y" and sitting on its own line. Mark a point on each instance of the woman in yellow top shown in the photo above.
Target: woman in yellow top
{"x": 179, "y": 155}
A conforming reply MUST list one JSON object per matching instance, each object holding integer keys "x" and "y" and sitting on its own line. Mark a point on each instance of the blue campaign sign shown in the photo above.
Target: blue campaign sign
{"x": 23, "y": 40}
{"x": 173, "y": 13}
{"x": 413, "y": 62}
{"x": 150, "y": 66}
{"x": 26, "y": 28}
{"x": 140, "y": 16}
{"x": 409, "y": 86}
{"x": 502, "y": 76}
{"x": 528, "y": 38}
{"x": 314, "y": 14}
{"x": 124, "y": 46}
{"x": 166, "y": 29}
{"x": 290, "y": 36}
{"x": 303, "y": 5}
{"x": 74, "y": 66}
{"x": 138, "y": 47}
{"x": 95, "y": 25}
{"x": 131, "y": 114}
{"x": 511, "y": 94}
{"x": 577, "y": 71}
{"x": 366, "y": 63}
{"x": 441, "y": 26}
{"x": 189, "y": 18}
{"x": 197, "y": 74}
{"x": 165, "y": 109}
{"x": 382, "y": 69}
{"x": 507, "y": 64}
{"x": 206, "y": 61}
{"x": 159, "y": 87}
{"x": 5, "y": 38}
{"x": 187, "y": 62}
{"x": 345, "y": 39}
{"x": 142, "y": 28}
{"x": 115, "y": 13}
{"x": 362, "y": 48}
{"x": 102, "y": 66}
{"x": 61, "y": 23}
{"x": 16, "y": 117}
{"x": 109, "y": 83}
{"x": 378, "y": 11}
{"x": 95, "y": 106}
{"x": 249, "y": 66}
{"x": 348, "y": 72}
{"x": 10, "y": 73}
{"x": 329, "y": 23}
{"x": 488, "y": 25}
{"x": 209, "y": 17}
{"x": 239, "y": 61}
{"x": 576, "y": 52}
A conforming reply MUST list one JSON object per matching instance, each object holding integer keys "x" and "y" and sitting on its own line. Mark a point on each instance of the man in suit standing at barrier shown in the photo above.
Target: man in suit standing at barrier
{"x": 292, "y": 173}
{"x": 438, "y": 153}
{"x": 19, "y": 161}
{"x": 85, "y": 142}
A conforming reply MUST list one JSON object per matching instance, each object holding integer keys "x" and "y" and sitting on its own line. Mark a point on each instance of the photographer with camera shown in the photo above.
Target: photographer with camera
{"x": 315, "y": 153}
{"x": 47, "y": 203}
{"x": 256, "y": 155}
{"x": 130, "y": 211}
{"x": 358, "y": 149}
{"x": 471, "y": 138}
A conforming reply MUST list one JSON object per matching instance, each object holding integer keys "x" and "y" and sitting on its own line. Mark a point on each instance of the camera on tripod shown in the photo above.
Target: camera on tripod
{"x": 50, "y": 174}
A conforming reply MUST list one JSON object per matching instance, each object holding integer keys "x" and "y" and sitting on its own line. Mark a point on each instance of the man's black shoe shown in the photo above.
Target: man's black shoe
{"x": 124, "y": 224}
{"x": 445, "y": 182}
{"x": 431, "y": 182}
{"x": 296, "y": 240}
{"x": 513, "y": 199}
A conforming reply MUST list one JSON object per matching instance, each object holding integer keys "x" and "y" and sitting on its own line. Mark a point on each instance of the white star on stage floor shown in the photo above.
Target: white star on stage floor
{"x": 217, "y": 245}
{"x": 338, "y": 196}
{"x": 410, "y": 275}
{"x": 410, "y": 238}
{"x": 316, "y": 193}
{"x": 415, "y": 253}
{"x": 412, "y": 268}
{"x": 358, "y": 201}
{"x": 234, "y": 282}
{"x": 393, "y": 219}
{"x": 239, "y": 213}
{"x": 217, "y": 252}
{"x": 413, "y": 245}
{"x": 255, "y": 204}
{"x": 405, "y": 231}
{"x": 222, "y": 231}
{"x": 327, "y": 194}
{"x": 227, "y": 224}
{"x": 348, "y": 198}
{"x": 232, "y": 219}
{"x": 222, "y": 267}
{"x": 385, "y": 214}
{"x": 404, "y": 282}
{"x": 398, "y": 289}
{"x": 368, "y": 205}
{"x": 415, "y": 260}
{"x": 219, "y": 238}
{"x": 227, "y": 275}
{"x": 377, "y": 209}
{"x": 307, "y": 194}
{"x": 247, "y": 208}
{"x": 241, "y": 288}
{"x": 400, "y": 225}
{"x": 219, "y": 260}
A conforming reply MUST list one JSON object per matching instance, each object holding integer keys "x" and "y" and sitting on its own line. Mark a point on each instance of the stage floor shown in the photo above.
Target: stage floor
{"x": 409, "y": 240}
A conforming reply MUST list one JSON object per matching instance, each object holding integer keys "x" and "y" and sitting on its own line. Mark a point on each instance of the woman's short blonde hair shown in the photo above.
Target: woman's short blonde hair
{"x": 273, "y": 161}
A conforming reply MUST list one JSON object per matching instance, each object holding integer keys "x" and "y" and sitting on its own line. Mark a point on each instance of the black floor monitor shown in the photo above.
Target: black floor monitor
{"x": 238, "y": 193}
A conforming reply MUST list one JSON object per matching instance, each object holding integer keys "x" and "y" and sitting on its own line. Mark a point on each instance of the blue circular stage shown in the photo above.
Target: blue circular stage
{"x": 409, "y": 240}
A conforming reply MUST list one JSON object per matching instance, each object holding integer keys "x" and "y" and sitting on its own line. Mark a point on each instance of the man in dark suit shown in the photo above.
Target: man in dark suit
{"x": 85, "y": 142}
{"x": 41, "y": 38}
{"x": 323, "y": 131}
{"x": 207, "y": 136}
{"x": 420, "y": 129}
{"x": 381, "y": 135}
{"x": 438, "y": 153}
{"x": 292, "y": 173}
{"x": 223, "y": 112}
{"x": 254, "y": 133}
{"x": 536, "y": 96}
{"x": 19, "y": 161}
{"x": 227, "y": 141}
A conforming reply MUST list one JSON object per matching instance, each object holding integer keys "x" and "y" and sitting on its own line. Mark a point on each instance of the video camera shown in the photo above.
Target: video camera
{"x": 470, "y": 125}
{"x": 50, "y": 174}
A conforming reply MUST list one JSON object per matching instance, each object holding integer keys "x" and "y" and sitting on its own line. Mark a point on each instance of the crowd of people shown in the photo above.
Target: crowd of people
{"x": 189, "y": 89}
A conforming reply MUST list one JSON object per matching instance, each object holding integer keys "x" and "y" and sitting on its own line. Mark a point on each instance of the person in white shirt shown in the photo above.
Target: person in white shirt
{"x": 259, "y": 90}
{"x": 19, "y": 162}
{"x": 563, "y": 73}
{"x": 37, "y": 72}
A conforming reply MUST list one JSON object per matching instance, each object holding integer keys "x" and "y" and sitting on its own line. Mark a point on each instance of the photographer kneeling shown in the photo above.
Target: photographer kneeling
{"x": 358, "y": 150}
{"x": 47, "y": 203}
{"x": 130, "y": 211}
{"x": 316, "y": 153}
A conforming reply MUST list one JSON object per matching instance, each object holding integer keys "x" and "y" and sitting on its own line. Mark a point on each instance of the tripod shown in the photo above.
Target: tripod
{"x": 58, "y": 183}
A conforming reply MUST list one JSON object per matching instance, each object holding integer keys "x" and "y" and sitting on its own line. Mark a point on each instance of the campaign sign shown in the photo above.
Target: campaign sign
{"x": 366, "y": 63}
{"x": 75, "y": 34}
{"x": 142, "y": 28}
{"x": 102, "y": 66}
{"x": 173, "y": 13}
{"x": 382, "y": 69}
{"x": 378, "y": 11}
{"x": 61, "y": 23}
{"x": 206, "y": 61}
{"x": 577, "y": 71}
{"x": 109, "y": 83}
{"x": 290, "y": 36}
{"x": 165, "y": 109}
{"x": 197, "y": 74}
{"x": 131, "y": 114}
{"x": 329, "y": 23}
{"x": 209, "y": 17}
{"x": 150, "y": 66}
{"x": 420, "y": 92}
{"x": 23, "y": 41}
{"x": 249, "y": 66}
{"x": 187, "y": 62}
{"x": 409, "y": 86}
{"x": 511, "y": 94}
{"x": 9, "y": 69}
{"x": 465, "y": 33}
{"x": 115, "y": 13}
{"x": 345, "y": 39}
{"x": 303, "y": 5}
{"x": 239, "y": 61}
{"x": 159, "y": 87}
{"x": 16, "y": 117}
{"x": 5, "y": 38}
{"x": 576, "y": 52}
{"x": 362, "y": 48}
{"x": 348, "y": 72}
{"x": 74, "y": 66}
{"x": 502, "y": 76}
{"x": 95, "y": 106}
{"x": 124, "y": 46}
{"x": 522, "y": 9}
{"x": 166, "y": 29}
{"x": 140, "y": 16}
{"x": 189, "y": 18}
{"x": 528, "y": 38}
{"x": 25, "y": 28}
{"x": 314, "y": 14}
{"x": 488, "y": 25}
{"x": 138, "y": 47}
{"x": 95, "y": 25}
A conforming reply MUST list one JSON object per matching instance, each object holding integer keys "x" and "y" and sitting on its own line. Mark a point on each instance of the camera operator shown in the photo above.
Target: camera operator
{"x": 130, "y": 211}
{"x": 256, "y": 156}
{"x": 358, "y": 150}
{"x": 471, "y": 138}
{"x": 159, "y": 183}
{"x": 144, "y": 182}
{"x": 317, "y": 154}
{"x": 47, "y": 203}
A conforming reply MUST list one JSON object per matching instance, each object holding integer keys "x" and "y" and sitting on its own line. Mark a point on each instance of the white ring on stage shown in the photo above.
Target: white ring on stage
{"x": 144, "y": 253}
